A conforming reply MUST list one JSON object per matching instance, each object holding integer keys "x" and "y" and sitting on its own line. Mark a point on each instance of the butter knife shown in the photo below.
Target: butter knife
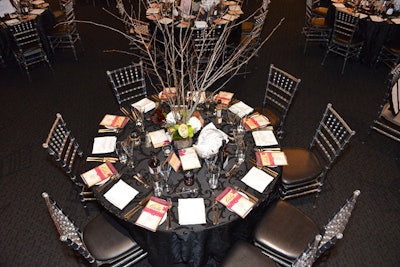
{"x": 140, "y": 205}
{"x": 138, "y": 177}
{"x": 251, "y": 196}
{"x": 168, "y": 225}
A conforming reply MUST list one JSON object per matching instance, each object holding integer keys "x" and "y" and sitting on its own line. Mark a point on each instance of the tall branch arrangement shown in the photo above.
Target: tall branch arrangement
{"x": 191, "y": 60}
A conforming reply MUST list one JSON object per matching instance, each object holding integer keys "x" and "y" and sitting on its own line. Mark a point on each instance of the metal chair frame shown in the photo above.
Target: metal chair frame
{"x": 385, "y": 122}
{"x": 128, "y": 83}
{"x": 343, "y": 41}
{"x": 331, "y": 137}
{"x": 279, "y": 93}
{"x": 29, "y": 50}
{"x": 389, "y": 55}
{"x": 65, "y": 150}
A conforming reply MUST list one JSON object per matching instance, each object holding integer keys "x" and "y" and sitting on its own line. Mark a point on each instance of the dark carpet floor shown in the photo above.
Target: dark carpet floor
{"x": 81, "y": 93}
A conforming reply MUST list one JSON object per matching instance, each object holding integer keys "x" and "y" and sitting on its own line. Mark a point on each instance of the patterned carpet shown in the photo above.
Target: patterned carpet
{"x": 81, "y": 93}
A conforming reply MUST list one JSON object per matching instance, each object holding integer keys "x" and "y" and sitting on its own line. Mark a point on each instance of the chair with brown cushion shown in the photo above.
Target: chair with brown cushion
{"x": 65, "y": 35}
{"x": 66, "y": 152}
{"x": 103, "y": 241}
{"x": 315, "y": 28}
{"x": 279, "y": 93}
{"x": 308, "y": 167}
{"x": 389, "y": 54}
{"x": 318, "y": 9}
{"x": 387, "y": 121}
{"x": 344, "y": 41}
{"x": 29, "y": 49}
{"x": 285, "y": 232}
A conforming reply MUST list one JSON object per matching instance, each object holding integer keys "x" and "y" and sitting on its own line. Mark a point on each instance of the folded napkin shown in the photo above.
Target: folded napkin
{"x": 264, "y": 138}
{"x": 12, "y": 21}
{"x": 121, "y": 194}
{"x": 200, "y": 24}
{"x": 241, "y": 109}
{"x": 209, "y": 141}
{"x": 36, "y": 11}
{"x": 144, "y": 105}
{"x": 375, "y": 18}
{"x": 104, "y": 144}
{"x": 257, "y": 179}
{"x": 191, "y": 211}
{"x": 339, "y": 5}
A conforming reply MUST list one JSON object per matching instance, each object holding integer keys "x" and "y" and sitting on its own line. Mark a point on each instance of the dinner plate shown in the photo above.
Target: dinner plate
{"x": 103, "y": 181}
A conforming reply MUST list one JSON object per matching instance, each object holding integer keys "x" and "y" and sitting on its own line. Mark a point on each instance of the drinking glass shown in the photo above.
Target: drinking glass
{"x": 128, "y": 147}
{"x": 119, "y": 149}
{"x": 214, "y": 172}
{"x": 167, "y": 150}
{"x": 165, "y": 171}
{"x": 158, "y": 185}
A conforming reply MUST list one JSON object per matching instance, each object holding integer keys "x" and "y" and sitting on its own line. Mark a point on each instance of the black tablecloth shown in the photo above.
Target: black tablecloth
{"x": 194, "y": 245}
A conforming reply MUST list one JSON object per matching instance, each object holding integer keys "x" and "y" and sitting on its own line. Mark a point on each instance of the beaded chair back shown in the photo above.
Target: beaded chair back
{"x": 309, "y": 256}
{"x": 345, "y": 25}
{"x": 68, "y": 231}
{"x": 63, "y": 147}
{"x": 331, "y": 137}
{"x": 128, "y": 83}
{"x": 334, "y": 229}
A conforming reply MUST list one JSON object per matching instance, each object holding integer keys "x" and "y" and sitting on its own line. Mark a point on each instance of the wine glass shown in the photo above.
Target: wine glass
{"x": 119, "y": 150}
{"x": 165, "y": 171}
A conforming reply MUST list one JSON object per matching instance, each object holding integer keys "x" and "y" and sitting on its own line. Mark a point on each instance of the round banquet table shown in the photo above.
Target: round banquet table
{"x": 190, "y": 245}
{"x": 374, "y": 33}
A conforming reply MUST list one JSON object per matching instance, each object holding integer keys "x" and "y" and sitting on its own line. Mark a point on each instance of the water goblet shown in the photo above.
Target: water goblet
{"x": 165, "y": 171}
{"x": 214, "y": 172}
{"x": 158, "y": 184}
{"x": 119, "y": 149}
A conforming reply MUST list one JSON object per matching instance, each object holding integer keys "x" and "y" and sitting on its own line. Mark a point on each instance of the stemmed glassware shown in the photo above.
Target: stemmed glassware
{"x": 214, "y": 172}
{"x": 165, "y": 171}
{"x": 120, "y": 151}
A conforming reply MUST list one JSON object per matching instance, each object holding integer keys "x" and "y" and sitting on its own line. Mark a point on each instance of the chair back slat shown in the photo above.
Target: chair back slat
{"x": 331, "y": 136}
{"x": 128, "y": 83}
{"x": 345, "y": 25}
{"x": 67, "y": 229}
{"x": 309, "y": 256}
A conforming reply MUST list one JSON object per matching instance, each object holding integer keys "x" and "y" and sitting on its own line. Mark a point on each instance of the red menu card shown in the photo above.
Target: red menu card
{"x": 235, "y": 202}
{"x": 98, "y": 174}
{"x": 153, "y": 213}
{"x": 114, "y": 121}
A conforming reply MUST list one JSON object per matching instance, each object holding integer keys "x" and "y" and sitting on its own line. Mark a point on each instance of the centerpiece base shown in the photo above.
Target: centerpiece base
{"x": 183, "y": 143}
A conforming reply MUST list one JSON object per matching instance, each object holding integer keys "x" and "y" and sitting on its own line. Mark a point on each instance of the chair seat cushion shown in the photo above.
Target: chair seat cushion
{"x": 106, "y": 239}
{"x": 303, "y": 166}
{"x": 247, "y": 26}
{"x": 244, "y": 254}
{"x": 387, "y": 114}
{"x": 321, "y": 11}
{"x": 285, "y": 230}
{"x": 271, "y": 115}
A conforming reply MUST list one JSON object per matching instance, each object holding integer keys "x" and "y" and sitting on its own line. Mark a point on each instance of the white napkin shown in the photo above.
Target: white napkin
{"x": 264, "y": 138}
{"x": 257, "y": 179}
{"x": 339, "y": 5}
{"x": 145, "y": 104}
{"x": 209, "y": 141}
{"x": 12, "y": 22}
{"x": 191, "y": 211}
{"x": 104, "y": 144}
{"x": 241, "y": 109}
{"x": 121, "y": 194}
{"x": 200, "y": 24}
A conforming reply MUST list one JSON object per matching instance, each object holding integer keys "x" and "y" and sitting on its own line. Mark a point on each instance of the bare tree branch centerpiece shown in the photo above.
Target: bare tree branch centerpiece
{"x": 185, "y": 53}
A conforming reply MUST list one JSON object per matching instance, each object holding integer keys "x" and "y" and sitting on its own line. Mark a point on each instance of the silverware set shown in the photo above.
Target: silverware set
{"x": 215, "y": 210}
{"x": 115, "y": 130}
{"x": 102, "y": 159}
{"x": 250, "y": 196}
{"x": 139, "y": 206}
{"x": 138, "y": 177}
{"x": 264, "y": 168}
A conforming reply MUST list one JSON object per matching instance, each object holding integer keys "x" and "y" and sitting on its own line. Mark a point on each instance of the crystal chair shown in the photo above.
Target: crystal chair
{"x": 387, "y": 121}
{"x": 315, "y": 28}
{"x": 65, "y": 35}
{"x": 307, "y": 168}
{"x": 279, "y": 92}
{"x": 344, "y": 41}
{"x": 285, "y": 233}
{"x": 66, "y": 152}
{"x": 128, "y": 83}
{"x": 29, "y": 49}
{"x": 102, "y": 242}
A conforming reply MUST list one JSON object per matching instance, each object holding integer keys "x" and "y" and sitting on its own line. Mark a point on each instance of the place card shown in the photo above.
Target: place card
{"x": 167, "y": 93}
{"x": 257, "y": 179}
{"x": 159, "y": 138}
{"x": 152, "y": 10}
{"x": 264, "y": 138}
{"x": 114, "y": 121}
{"x": 225, "y": 97}
{"x": 121, "y": 194}
{"x": 165, "y": 21}
{"x": 241, "y": 109}
{"x": 189, "y": 158}
{"x": 144, "y": 105}
{"x": 98, "y": 174}
{"x": 174, "y": 161}
{"x": 339, "y": 5}
{"x": 191, "y": 211}
{"x": 230, "y": 17}
{"x": 220, "y": 21}
{"x": 235, "y": 202}
{"x": 271, "y": 158}
{"x": 37, "y": 11}
{"x": 375, "y": 18}
{"x": 197, "y": 95}
{"x": 152, "y": 214}
{"x": 255, "y": 121}
{"x": 104, "y": 144}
